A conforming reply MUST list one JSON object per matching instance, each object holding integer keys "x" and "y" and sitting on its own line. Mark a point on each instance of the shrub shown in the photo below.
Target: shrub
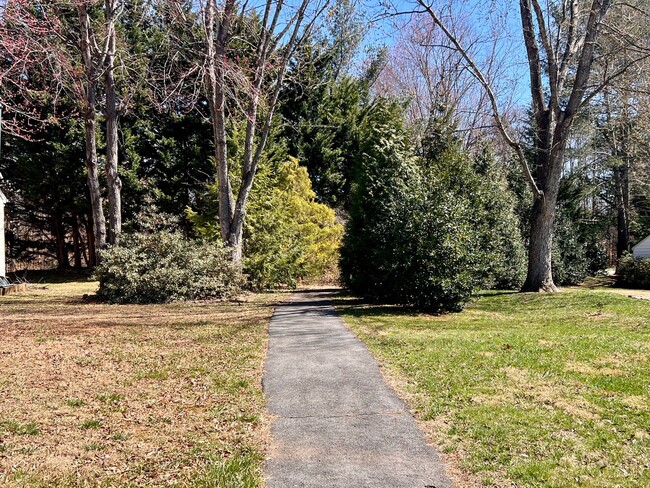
{"x": 569, "y": 256}
{"x": 410, "y": 241}
{"x": 427, "y": 231}
{"x": 163, "y": 266}
{"x": 502, "y": 245}
{"x": 634, "y": 273}
{"x": 288, "y": 235}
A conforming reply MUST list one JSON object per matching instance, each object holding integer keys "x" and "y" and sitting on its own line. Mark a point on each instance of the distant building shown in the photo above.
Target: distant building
{"x": 3, "y": 251}
{"x": 642, "y": 249}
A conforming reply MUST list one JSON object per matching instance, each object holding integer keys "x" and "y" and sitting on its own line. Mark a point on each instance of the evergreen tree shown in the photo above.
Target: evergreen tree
{"x": 426, "y": 231}
{"x": 49, "y": 208}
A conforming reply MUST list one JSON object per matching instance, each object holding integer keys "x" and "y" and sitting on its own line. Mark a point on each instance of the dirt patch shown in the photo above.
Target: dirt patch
{"x": 599, "y": 315}
{"x": 594, "y": 370}
{"x": 636, "y": 402}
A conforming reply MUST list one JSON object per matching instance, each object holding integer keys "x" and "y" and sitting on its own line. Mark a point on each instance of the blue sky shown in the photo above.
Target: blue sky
{"x": 482, "y": 15}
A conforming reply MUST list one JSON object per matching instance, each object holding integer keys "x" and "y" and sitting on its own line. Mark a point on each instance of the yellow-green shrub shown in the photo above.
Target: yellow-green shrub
{"x": 288, "y": 236}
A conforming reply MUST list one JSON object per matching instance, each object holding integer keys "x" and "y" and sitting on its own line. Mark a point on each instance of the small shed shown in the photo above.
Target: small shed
{"x": 3, "y": 251}
{"x": 642, "y": 249}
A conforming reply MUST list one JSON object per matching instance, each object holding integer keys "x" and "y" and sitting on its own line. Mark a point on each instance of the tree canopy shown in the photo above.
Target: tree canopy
{"x": 285, "y": 130}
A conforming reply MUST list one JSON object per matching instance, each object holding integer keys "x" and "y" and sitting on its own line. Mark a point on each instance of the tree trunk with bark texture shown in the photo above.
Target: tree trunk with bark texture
{"x": 550, "y": 159}
{"x": 554, "y": 114}
{"x": 92, "y": 168}
{"x": 217, "y": 33}
{"x": 76, "y": 241}
{"x": 540, "y": 273}
{"x": 91, "y": 258}
{"x": 90, "y": 126}
{"x": 112, "y": 175}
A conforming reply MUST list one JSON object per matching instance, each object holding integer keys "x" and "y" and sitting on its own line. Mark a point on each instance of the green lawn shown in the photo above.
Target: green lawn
{"x": 539, "y": 390}
{"x": 93, "y": 394}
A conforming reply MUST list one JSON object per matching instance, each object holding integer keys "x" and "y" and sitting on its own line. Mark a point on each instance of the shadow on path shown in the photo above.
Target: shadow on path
{"x": 338, "y": 424}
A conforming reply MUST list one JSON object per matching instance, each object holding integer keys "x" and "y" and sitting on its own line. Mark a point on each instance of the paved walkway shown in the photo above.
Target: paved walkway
{"x": 338, "y": 424}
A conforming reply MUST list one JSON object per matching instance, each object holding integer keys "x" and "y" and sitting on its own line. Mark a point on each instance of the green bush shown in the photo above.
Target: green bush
{"x": 288, "y": 235}
{"x": 502, "y": 245}
{"x": 164, "y": 266}
{"x": 409, "y": 241}
{"x": 634, "y": 273}
{"x": 569, "y": 255}
{"x": 427, "y": 231}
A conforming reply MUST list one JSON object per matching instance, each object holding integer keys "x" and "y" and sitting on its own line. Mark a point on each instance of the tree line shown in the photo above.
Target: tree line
{"x": 209, "y": 111}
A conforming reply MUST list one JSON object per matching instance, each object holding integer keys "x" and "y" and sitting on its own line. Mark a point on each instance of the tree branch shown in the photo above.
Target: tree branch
{"x": 477, "y": 73}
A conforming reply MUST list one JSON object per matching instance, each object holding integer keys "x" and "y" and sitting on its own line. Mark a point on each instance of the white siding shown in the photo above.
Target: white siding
{"x": 642, "y": 249}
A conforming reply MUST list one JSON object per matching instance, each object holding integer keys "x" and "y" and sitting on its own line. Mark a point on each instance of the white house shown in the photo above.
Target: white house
{"x": 3, "y": 266}
{"x": 642, "y": 249}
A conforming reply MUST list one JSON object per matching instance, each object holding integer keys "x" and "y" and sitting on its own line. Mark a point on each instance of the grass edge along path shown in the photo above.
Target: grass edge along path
{"x": 93, "y": 394}
{"x": 525, "y": 389}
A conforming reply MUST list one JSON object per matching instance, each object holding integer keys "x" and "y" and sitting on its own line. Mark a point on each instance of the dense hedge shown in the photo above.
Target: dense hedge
{"x": 634, "y": 273}
{"x": 425, "y": 231}
{"x": 163, "y": 266}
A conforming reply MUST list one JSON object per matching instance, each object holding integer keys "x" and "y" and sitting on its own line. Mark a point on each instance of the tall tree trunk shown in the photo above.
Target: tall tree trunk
{"x": 90, "y": 125}
{"x": 622, "y": 199}
{"x": 112, "y": 176}
{"x": 217, "y": 33}
{"x": 59, "y": 237}
{"x": 76, "y": 240}
{"x": 92, "y": 168}
{"x": 217, "y": 57}
{"x": 540, "y": 274}
{"x": 549, "y": 171}
{"x": 91, "y": 258}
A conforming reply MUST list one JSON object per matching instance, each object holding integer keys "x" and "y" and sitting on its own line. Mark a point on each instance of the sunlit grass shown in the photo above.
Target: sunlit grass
{"x": 539, "y": 390}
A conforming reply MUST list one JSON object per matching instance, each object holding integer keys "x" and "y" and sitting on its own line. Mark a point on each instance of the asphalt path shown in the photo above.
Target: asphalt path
{"x": 337, "y": 423}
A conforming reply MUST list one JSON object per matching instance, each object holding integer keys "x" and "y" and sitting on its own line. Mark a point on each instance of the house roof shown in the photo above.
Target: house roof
{"x": 3, "y": 198}
{"x": 647, "y": 239}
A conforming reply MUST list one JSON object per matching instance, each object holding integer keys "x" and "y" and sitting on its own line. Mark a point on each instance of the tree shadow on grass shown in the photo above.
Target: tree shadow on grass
{"x": 347, "y": 304}
{"x": 50, "y": 276}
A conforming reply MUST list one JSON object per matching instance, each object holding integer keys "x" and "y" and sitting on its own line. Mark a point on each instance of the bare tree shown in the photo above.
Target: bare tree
{"x": 88, "y": 88}
{"x": 621, "y": 116}
{"x": 97, "y": 47}
{"x": 74, "y": 60}
{"x": 424, "y": 69}
{"x": 560, "y": 40}
{"x": 30, "y": 70}
{"x": 271, "y": 30}
{"x": 112, "y": 10}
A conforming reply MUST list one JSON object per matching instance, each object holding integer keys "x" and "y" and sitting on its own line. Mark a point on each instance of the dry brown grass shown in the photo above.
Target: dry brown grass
{"x": 94, "y": 394}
